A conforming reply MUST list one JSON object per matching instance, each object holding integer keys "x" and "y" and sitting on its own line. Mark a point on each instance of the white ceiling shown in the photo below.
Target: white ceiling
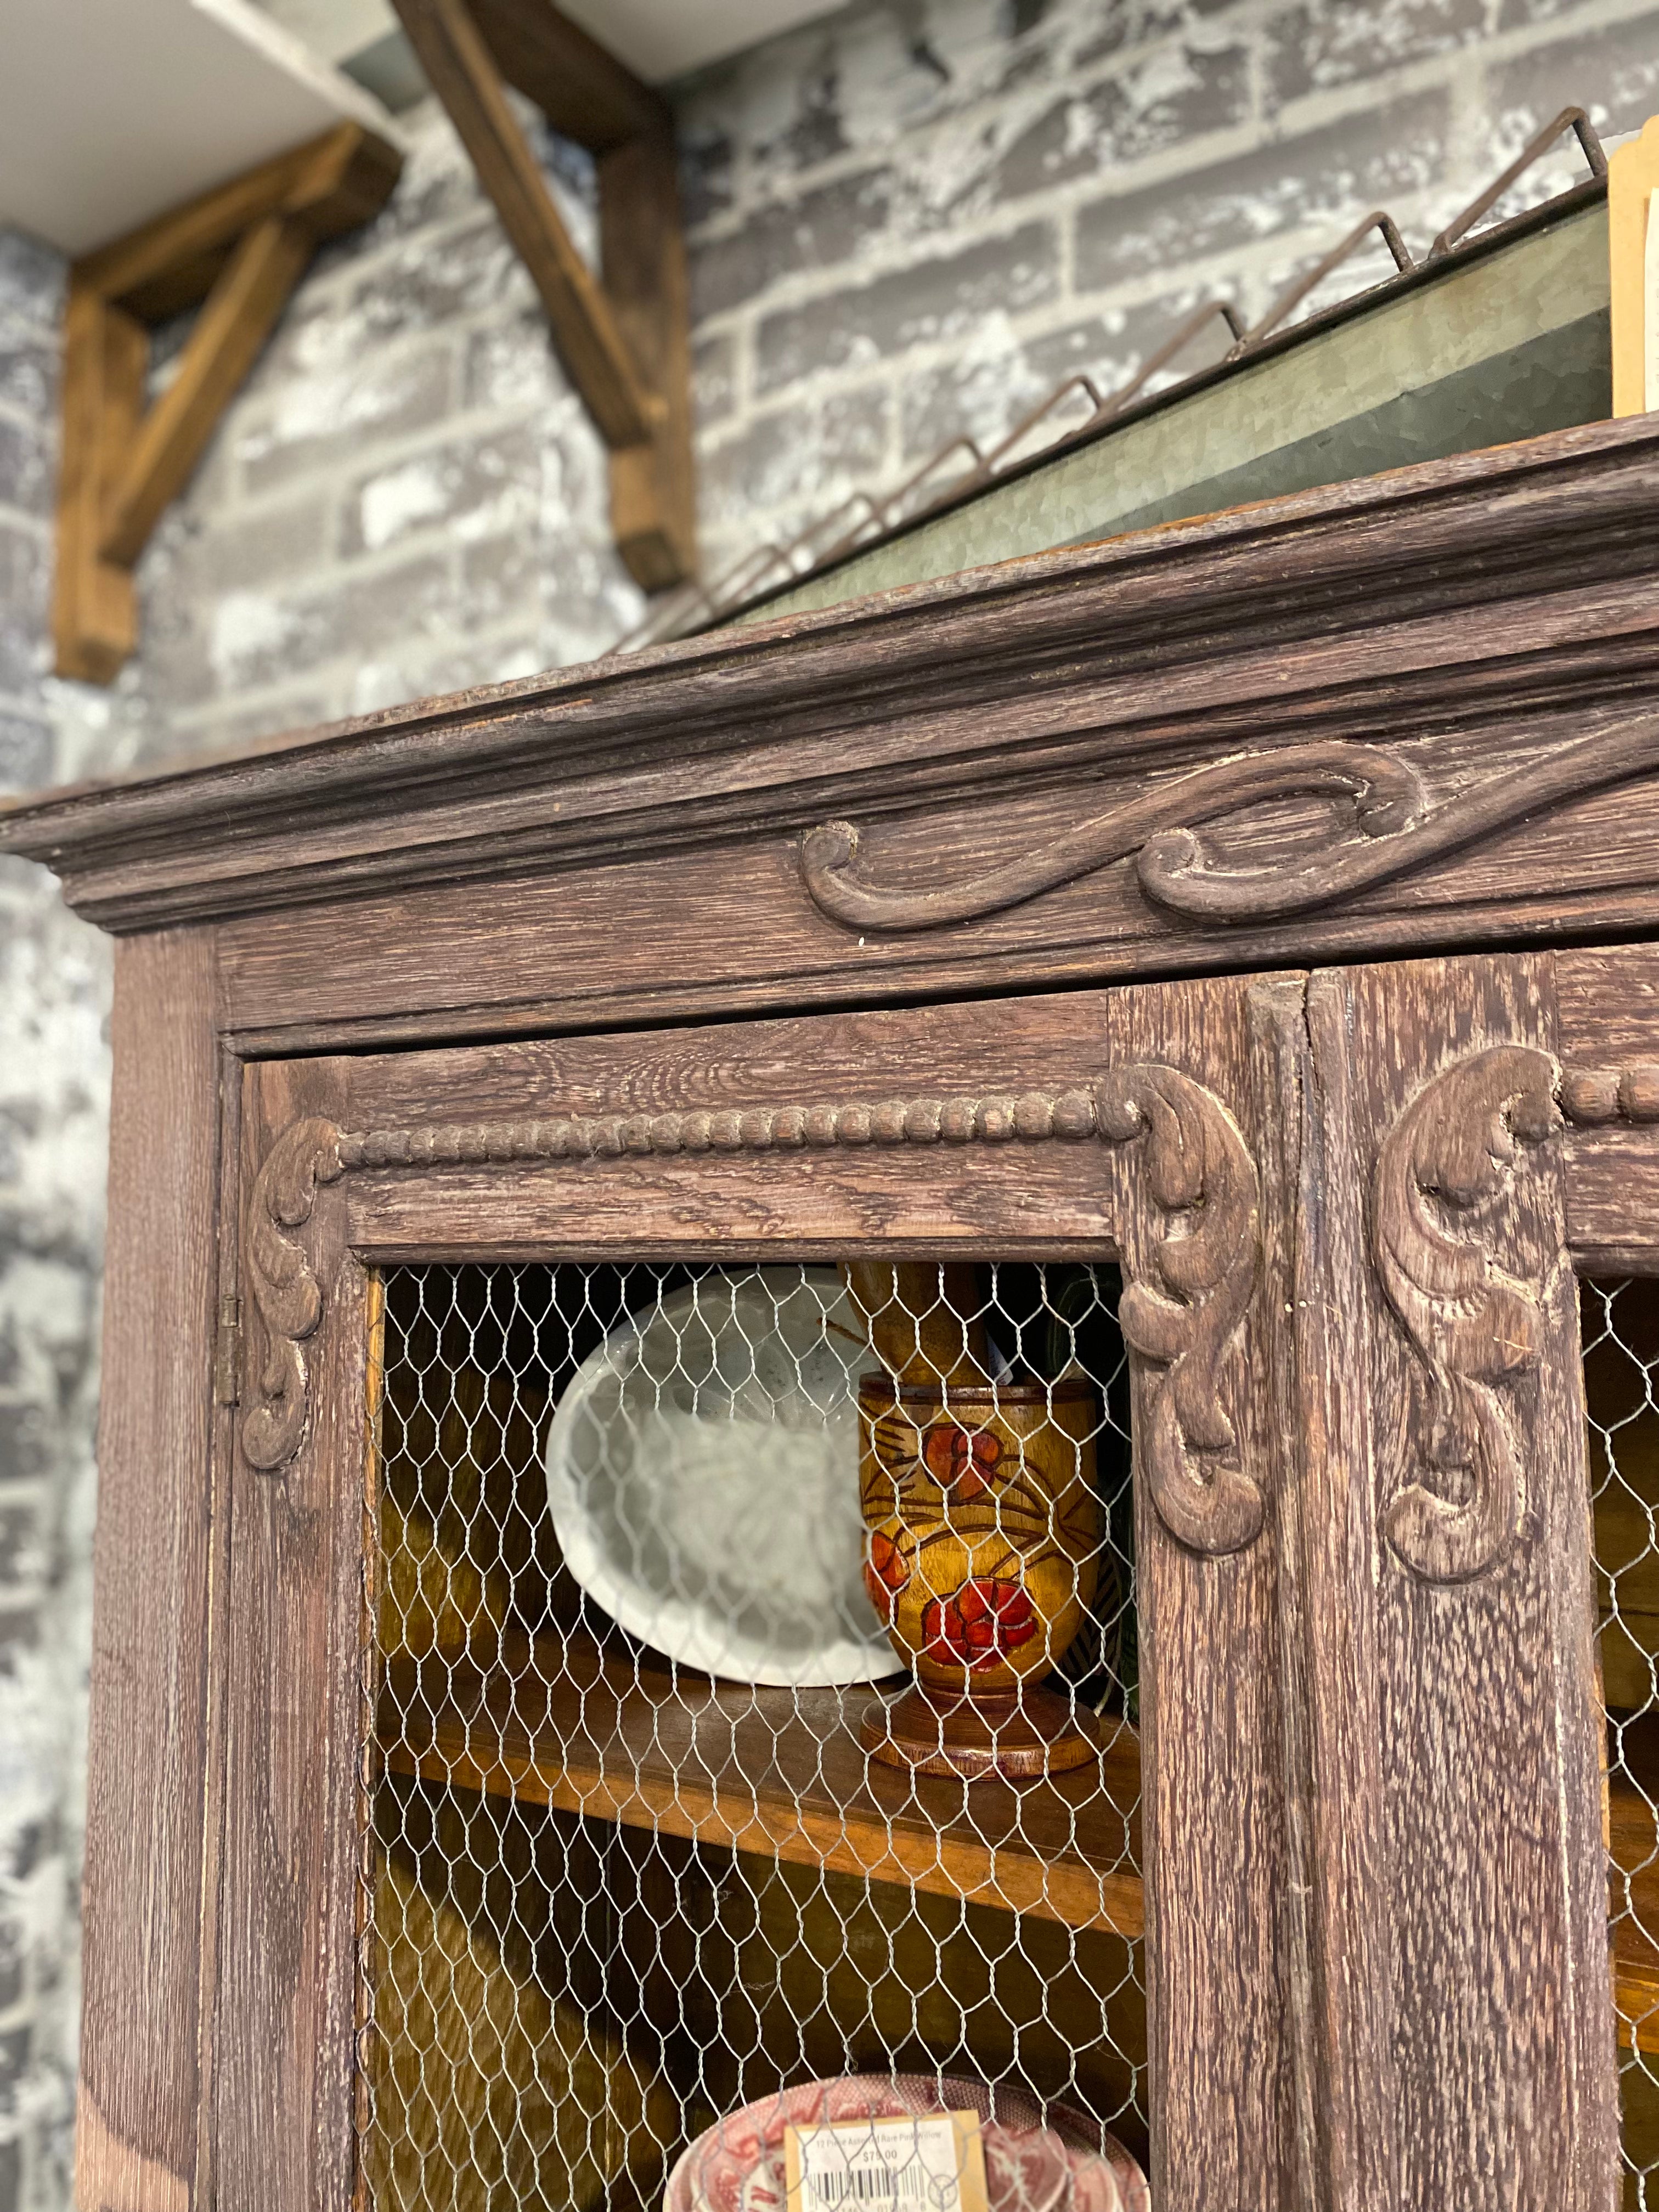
{"x": 658, "y": 38}
{"x": 663, "y": 38}
{"x": 114, "y": 111}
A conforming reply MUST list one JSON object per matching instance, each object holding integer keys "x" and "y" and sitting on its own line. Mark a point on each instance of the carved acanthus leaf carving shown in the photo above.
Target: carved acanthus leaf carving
{"x": 1182, "y": 1324}
{"x": 1477, "y": 1330}
{"x": 1398, "y": 832}
{"x": 1195, "y": 1163}
{"x": 285, "y": 1286}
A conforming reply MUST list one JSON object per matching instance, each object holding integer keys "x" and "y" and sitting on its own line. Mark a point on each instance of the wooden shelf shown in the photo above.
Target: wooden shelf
{"x": 776, "y": 1771}
{"x": 780, "y": 1772}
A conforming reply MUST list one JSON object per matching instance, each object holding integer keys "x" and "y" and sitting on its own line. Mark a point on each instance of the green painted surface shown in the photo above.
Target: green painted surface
{"x": 1507, "y": 346}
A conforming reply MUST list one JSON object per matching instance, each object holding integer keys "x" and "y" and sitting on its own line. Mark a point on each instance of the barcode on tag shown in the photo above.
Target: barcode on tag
{"x": 925, "y": 2164}
{"x": 862, "y": 2185}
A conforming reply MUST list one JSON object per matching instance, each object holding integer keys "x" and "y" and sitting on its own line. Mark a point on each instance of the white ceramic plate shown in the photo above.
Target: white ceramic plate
{"x": 702, "y": 1477}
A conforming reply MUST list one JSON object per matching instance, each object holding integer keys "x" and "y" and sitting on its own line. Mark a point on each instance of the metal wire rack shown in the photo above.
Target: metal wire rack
{"x": 634, "y": 1857}
{"x": 1076, "y": 410}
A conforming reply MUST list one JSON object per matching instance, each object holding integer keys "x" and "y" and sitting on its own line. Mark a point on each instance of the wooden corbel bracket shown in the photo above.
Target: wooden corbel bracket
{"x": 239, "y": 249}
{"x": 623, "y": 336}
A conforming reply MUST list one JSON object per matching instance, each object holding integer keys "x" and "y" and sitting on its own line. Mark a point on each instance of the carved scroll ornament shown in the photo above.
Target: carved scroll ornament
{"x": 1182, "y": 1322}
{"x": 1477, "y": 1330}
{"x": 285, "y": 1287}
{"x": 1398, "y": 830}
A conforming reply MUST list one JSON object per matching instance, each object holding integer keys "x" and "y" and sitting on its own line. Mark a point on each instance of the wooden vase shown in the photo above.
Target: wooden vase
{"x": 983, "y": 1533}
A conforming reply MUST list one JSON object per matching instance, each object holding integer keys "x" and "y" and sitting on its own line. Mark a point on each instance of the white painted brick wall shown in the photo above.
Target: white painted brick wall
{"x": 913, "y": 221}
{"x": 54, "y": 1081}
{"x": 908, "y": 220}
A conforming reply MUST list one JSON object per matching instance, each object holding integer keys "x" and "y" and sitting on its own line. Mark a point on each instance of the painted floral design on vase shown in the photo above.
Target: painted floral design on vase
{"x": 983, "y": 1537}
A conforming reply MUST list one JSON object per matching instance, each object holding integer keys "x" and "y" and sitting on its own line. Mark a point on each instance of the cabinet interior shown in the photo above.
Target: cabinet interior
{"x": 610, "y": 1896}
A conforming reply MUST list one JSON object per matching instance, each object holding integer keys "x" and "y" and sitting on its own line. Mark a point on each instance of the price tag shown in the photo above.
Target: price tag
{"x": 932, "y": 2163}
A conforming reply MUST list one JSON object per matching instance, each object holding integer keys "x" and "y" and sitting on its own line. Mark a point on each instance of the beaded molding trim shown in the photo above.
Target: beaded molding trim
{"x": 1181, "y": 1315}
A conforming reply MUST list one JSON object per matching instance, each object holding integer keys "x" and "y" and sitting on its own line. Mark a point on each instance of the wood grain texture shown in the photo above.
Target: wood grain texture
{"x": 1477, "y": 1796}
{"x": 642, "y": 255}
{"x": 581, "y": 86}
{"x": 329, "y": 184}
{"x": 149, "y": 1896}
{"x": 94, "y": 610}
{"x": 1213, "y": 1847}
{"x": 1181, "y": 1317}
{"x": 778, "y": 1773}
{"x": 1447, "y": 1162}
{"x": 460, "y": 69}
{"x": 1608, "y": 1003}
{"x": 1006, "y": 1048}
{"x": 241, "y": 310}
{"x": 1189, "y": 1164}
{"x": 1333, "y": 1915}
{"x": 284, "y": 2082}
{"x": 1187, "y": 1288}
{"x": 244, "y": 245}
{"x": 1612, "y": 1199}
{"x": 1483, "y": 610}
{"x": 542, "y": 956}
{"x": 1399, "y": 830}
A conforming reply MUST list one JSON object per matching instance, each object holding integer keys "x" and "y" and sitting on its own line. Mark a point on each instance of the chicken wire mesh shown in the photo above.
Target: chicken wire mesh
{"x": 1621, "y": 1330}
{"x": 655, "y": 1545}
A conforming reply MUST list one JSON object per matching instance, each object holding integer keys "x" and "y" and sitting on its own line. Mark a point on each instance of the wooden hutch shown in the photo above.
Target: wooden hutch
{"x": 1266, "y": 904}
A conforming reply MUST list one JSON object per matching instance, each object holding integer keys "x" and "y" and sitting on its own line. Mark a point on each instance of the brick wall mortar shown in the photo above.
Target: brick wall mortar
{"x": 1013, "y": 357}
{"x": 53, "y": 1081}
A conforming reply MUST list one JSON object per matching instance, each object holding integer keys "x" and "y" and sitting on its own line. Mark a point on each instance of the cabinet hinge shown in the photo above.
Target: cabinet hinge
{"x": 227, "y": 1353}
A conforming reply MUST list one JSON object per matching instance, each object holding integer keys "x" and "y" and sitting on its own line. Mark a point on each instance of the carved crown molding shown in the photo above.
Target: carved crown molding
{"x": 1181, "y": 1321}
{"x": 1398, "y": 831}
{"x": 1447, "y": 1160}
{"x": 1515, "y": 582}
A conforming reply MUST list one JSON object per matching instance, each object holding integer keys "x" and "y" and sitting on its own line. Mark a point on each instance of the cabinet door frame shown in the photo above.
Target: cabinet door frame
{"x": 1086, "y": 1125}
{"x": 1014, "y": 1127}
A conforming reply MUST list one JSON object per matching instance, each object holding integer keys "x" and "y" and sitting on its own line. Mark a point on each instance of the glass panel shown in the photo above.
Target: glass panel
{"x": 650, "y": 1841}
{"x": 1621, "y": 1368}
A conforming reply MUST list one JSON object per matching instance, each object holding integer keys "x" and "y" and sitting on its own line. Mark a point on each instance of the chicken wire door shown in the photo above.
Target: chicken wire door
{"x": 634, "y": 1866}
{"x": 902, "y": 1556}
{"x": 1621, "y": 1390}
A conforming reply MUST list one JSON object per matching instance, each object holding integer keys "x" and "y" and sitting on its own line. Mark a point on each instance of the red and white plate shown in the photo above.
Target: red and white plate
{"x": 1071, "y": 2164}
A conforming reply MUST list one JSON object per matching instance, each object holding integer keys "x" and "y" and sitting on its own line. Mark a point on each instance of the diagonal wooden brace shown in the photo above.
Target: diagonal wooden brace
{"x": 622, "y": 336}
{"x": 242, "y": 247}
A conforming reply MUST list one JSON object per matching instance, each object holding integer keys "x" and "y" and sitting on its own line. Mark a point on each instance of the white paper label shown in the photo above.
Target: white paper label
{"x": 911, "y": 2165}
